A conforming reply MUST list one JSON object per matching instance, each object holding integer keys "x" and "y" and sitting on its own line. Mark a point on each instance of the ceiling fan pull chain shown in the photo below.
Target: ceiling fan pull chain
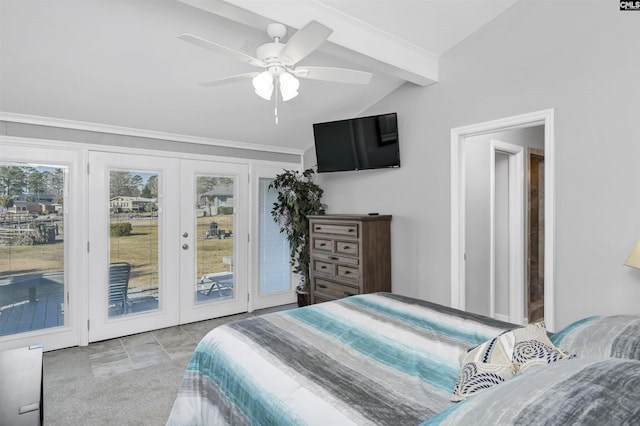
{"x": 275, "y": 110}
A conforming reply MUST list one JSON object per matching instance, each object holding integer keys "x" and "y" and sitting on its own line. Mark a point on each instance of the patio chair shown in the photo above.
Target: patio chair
{"x": 119, "y": 284}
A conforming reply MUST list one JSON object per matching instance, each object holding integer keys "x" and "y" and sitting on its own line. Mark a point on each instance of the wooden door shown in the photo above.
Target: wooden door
{"x": 535, "y": 235}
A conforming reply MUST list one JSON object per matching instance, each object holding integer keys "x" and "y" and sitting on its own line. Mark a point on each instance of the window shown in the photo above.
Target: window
{"x": 274, "y": 269}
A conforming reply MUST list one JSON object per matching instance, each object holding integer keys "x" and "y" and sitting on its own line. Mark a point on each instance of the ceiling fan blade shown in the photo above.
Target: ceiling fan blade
{"x": 227, "y": 80}
{"x": 215, "y": 47}
{"x": 303, "y": 42}
{"x": 338, "y": 75}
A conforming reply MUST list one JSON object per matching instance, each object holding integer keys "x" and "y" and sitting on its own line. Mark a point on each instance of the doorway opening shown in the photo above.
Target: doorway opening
{"x": 535, "y": 234}
{"x": 460, "y": 278}
{"x": 506, "y": 232}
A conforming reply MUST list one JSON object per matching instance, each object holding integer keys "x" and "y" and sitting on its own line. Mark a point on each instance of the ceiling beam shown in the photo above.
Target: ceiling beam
{"x": 389, "y": 53}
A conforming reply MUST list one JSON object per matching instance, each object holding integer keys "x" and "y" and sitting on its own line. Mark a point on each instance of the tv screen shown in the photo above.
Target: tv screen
{"x": 357, "y": 144}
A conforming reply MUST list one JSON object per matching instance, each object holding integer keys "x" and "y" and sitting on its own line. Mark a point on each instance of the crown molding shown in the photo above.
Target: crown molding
{"x": 128, "y": 131}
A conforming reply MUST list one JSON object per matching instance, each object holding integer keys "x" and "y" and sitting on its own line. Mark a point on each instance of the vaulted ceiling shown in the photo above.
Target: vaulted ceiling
{"x": 119, "y": 62}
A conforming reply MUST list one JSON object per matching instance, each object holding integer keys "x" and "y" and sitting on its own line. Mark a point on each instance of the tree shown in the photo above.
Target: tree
{"x": 151, "y": 207}
{"x": 150, "y": 190}
{"x": 12, "y": 180}
{"x": 123, "y": 184}
{"x": 36, "y": 183}
{"x": 205, "y": 184}
{"x": 137, "y": 181}
{"x": 6, "y": 201}
{"x": 56, "y": 183}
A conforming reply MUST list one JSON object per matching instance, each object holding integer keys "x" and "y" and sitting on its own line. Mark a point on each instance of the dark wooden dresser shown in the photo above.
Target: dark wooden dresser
{"x": 350, "y": 254}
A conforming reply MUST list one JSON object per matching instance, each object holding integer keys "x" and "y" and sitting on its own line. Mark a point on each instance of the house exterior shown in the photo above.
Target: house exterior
{"x": 122, "y": 204}
{"x": 33, "y": 207}
{"x": 218, "y": 196}
{"x": 36, "y": 197}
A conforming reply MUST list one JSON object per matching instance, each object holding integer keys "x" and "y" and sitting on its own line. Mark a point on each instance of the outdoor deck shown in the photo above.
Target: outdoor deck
{"x": 35, "y": 302}
{"x": 27, "y": 316}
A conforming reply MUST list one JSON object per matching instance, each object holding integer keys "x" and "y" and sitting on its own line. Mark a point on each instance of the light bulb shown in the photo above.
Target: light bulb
{"x": 288, "y": 86}
{"x": 263, "y": 85}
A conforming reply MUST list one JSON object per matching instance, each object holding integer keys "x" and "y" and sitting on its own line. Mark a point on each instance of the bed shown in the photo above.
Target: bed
{"x": 378, "y": 358}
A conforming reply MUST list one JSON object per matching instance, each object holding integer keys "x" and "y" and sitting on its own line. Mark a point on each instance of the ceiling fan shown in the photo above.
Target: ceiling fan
{"x": 279, "y": 61}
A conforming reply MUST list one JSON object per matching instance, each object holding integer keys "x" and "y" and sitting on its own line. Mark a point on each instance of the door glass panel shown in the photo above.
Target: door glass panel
{"x": 31, "y": 247}
{"x": 273, "y": 265}
{"x": 214, "y": 215}
{"x": 133, "y": 242}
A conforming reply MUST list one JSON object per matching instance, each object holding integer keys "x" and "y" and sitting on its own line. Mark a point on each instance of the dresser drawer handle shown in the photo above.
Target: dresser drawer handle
{"x": 323, "y": 267}
{"x": 351, "y": 230}
{"x": 323, "y": 244}
{"x": 333, "y": 258}
{"x": 322, "y": 286}
{"x": 347, "y": 272}
{"x": 345, "y": 247}
{"x": 318, "y": 227}
{"x": 348, "y": 294}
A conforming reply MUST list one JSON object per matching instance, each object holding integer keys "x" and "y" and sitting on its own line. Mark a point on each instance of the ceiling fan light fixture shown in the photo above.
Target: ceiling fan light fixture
{"x": 288, "y": 86}
{"x": 263, "y": 85}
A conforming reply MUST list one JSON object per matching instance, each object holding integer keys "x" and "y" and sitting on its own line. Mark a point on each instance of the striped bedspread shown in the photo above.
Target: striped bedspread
{"x": 370, "y": 359}
{"x": 579, "y": 391}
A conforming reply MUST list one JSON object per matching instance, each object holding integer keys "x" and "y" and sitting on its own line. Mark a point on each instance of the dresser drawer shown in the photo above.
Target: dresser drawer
{"x": 334, "y": 258}
{"x": 321, "y": 244}
{"x": 347, "y": 247}
{"x": 322, "y": 298}
{"x": 350, "y": 254}
{"x": 330, "y": 228}
{"x": 333, "y": 289}
{"x": 348, "y": 272}
{"x": 323, "y": 267}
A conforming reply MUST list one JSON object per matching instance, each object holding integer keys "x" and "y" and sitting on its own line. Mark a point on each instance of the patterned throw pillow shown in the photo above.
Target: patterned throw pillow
{"x": 502, "y": 357}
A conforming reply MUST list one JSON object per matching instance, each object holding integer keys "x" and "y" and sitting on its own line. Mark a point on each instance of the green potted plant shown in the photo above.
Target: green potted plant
{"x": 298, "y": 197}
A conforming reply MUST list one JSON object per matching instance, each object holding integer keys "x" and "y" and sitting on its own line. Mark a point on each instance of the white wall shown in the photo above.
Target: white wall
{"x": 578, "y": 58}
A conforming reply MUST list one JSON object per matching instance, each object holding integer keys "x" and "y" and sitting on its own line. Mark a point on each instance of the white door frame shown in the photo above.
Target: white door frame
{"x": 101, "y": 326}
{"x": 458, "y": 136}
{"x": 76, "y": 331}
{"x": 516, "y": 229}
{"x": 20, "y": 150}
{"x": 190, "y": 311}
{"x": 256, "y": 299}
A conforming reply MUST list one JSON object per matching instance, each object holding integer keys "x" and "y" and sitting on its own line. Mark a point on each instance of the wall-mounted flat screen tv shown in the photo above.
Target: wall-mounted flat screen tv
{"x": 357, "y": 143}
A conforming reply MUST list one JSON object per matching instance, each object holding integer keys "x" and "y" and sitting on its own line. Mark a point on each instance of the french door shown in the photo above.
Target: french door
{"x": 213, "y": 239}
{"x": 41, "y": 253}
{"x": 168, "y": 242}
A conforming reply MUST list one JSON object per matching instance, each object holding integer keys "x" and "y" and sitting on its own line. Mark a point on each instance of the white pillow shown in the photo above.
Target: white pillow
{"x": 499, "y": 359}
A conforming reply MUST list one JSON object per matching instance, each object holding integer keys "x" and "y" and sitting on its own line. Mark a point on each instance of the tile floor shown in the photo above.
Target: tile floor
{"x": 131, "y": 380}
{"x": 117, "y": 356}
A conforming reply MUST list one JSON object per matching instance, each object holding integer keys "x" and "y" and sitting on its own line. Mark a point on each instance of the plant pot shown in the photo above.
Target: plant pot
{"x": 303, "y": 298}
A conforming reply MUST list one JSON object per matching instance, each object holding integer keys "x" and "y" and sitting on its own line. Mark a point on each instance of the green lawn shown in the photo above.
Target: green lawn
{"x": 42, "y": 258}
{"x": 140, "y": 249}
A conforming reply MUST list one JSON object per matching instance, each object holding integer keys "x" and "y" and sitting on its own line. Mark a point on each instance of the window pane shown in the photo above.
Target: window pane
{"x": 274, "y": 270}
{"x": 215, "y": 211}
{"x": 133, "y": 242}
{"x": 31, "y": 247}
